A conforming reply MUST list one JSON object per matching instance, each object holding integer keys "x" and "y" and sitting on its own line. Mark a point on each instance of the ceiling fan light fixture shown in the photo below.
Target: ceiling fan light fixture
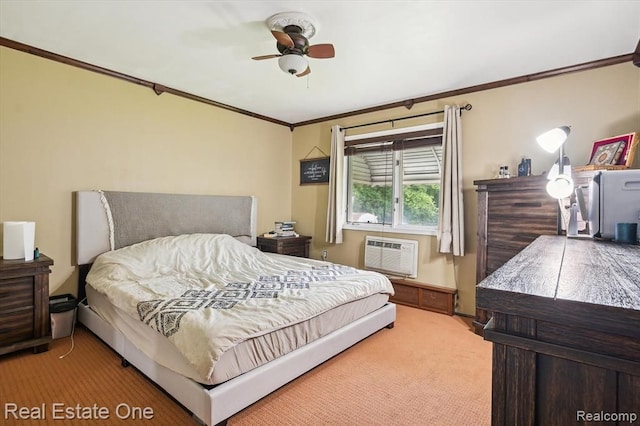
{"x": 293, "y": 64}
{"x": 281, "y": 20}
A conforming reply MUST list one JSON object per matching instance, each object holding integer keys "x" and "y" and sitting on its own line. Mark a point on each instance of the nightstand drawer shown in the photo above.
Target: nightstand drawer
{"x": 16, "y": 293}
{"x": 293, "y": 251}
{"x": 16, "y": 326}
{"x": 291, "y": 246}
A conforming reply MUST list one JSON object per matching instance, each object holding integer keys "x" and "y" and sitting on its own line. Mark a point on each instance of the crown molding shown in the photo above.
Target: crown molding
{"x": 407, "y": 103}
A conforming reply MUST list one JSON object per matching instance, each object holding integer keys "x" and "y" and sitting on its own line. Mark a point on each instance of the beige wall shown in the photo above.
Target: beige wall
{"x": 500, "y": 129}
{"x": 63, "y": 129}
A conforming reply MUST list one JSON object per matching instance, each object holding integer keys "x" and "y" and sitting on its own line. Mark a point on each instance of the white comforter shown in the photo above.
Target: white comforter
{"x": 208, "y": 292}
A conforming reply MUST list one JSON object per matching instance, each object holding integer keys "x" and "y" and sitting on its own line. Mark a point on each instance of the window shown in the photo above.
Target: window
{"x": 393, "y": 180}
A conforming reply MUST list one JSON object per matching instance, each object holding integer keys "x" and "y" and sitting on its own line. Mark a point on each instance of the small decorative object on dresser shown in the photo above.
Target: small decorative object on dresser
{"x": 613, "y": 153}
{"x": 292, "y": 246}
{"x": 24, "y": 304}
{"x": 524, "y": 168}
{"x": 608, "y": 154}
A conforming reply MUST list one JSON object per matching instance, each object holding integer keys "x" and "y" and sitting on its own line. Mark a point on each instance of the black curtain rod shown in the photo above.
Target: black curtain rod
{"x": 467, "y": 107}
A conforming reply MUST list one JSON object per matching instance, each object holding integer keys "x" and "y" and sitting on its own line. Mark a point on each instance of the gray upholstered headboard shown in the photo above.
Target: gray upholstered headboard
{"x": 111, "y": 219}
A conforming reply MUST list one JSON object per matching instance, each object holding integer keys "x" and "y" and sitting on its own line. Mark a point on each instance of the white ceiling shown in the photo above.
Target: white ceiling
{"x": 386, "y": 51}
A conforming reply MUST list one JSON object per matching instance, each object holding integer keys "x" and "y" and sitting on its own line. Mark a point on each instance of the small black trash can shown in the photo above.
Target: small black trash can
{"x": 63, "y": 314}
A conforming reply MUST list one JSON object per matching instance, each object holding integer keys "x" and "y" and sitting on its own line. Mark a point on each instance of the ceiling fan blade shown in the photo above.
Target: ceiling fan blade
{"x": 283, "y": 38}
{"x": 321, "y": 51}
{"x": 259, "y": 58}
{"x": 305, "y": 72}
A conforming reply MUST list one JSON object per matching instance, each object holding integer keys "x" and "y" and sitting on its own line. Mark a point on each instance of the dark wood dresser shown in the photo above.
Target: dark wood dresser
{"x": 24, "y": 304}
{"x": 566, "y": 333}
{"x": 292, "y": 246}
{"x": 511, "y": 214}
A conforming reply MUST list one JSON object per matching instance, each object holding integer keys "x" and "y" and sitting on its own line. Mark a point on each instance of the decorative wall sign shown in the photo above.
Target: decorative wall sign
{"x": 314, "y": 170}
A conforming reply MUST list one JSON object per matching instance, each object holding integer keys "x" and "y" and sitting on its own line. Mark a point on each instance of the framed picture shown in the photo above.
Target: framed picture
{"x": 607, "y": 154}
{"x": 314, "y": 170}
{"x": 615, "y": 151}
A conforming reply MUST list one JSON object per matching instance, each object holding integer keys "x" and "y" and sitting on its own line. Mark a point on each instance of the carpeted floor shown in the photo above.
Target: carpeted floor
{"x": 428, "y": 370}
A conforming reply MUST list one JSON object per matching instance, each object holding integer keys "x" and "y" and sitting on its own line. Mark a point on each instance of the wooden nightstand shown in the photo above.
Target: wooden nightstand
{"x": 24, "y": 304}
{"x": 293, "y": 246}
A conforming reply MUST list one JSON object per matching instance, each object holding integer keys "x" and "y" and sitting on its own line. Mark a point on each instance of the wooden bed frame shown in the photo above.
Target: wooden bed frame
{"x": 213, "y": 405}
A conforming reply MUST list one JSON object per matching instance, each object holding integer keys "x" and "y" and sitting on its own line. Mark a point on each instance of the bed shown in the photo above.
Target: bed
{"x": 136, "y": 232}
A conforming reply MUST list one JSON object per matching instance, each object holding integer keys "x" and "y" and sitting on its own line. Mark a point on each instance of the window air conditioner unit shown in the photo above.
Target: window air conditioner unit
{"x": 392, "y": 256}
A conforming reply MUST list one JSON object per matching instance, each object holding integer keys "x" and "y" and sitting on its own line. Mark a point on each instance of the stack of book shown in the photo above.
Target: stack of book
{"x": 285, "y": 229}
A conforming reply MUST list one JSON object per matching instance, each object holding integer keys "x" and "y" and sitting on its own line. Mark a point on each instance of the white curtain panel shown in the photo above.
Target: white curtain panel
{"x": 451, "y": 220}
{"x": 335, "y": 205}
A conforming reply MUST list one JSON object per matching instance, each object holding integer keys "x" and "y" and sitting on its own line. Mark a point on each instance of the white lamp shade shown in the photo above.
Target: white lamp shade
{"x": 553, "y": 139}
{"x": 292, "y": 64}
{"x": 560, "y": 187}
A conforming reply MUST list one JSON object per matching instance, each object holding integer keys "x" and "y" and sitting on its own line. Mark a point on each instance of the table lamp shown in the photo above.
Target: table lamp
{"x": 560, "y": 183}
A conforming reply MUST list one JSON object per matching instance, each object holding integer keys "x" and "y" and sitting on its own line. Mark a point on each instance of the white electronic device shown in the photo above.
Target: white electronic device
{"x": 614, "y": 197}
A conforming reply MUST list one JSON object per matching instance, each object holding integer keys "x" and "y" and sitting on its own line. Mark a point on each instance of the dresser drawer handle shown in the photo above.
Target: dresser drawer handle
{"x": 529, "y": 204}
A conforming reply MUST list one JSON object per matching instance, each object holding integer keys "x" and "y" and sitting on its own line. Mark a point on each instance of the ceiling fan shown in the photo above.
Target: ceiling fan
{"x": 292, "y": 31}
